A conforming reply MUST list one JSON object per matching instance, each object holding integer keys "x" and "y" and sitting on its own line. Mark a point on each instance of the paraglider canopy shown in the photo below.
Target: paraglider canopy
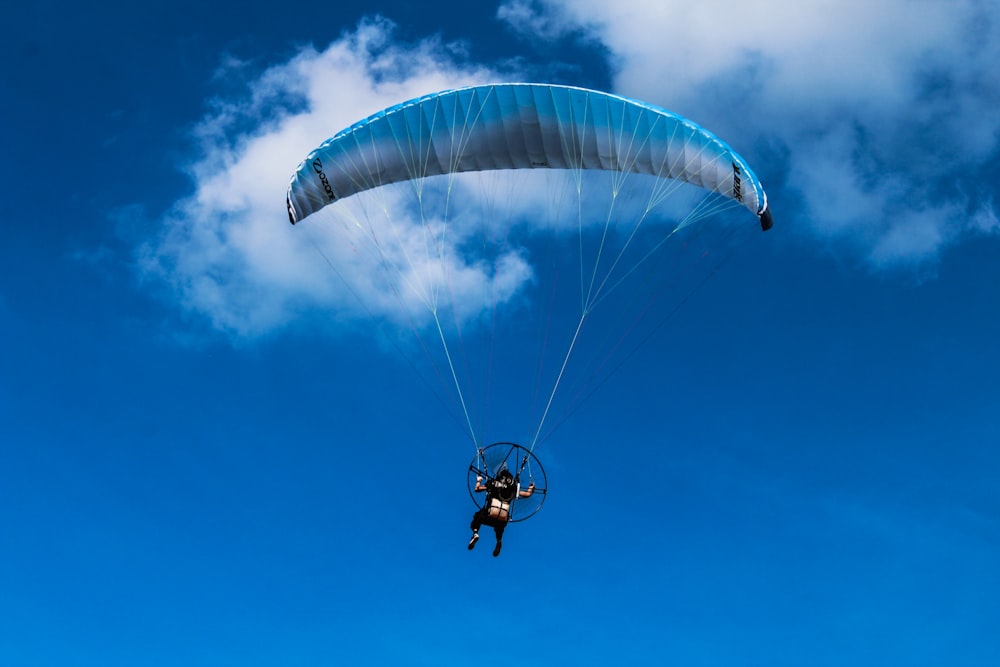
{"x": 520, "y": 126}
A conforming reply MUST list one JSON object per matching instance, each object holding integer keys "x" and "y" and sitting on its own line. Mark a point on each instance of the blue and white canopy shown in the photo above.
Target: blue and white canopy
{"x": 520, "y": 126}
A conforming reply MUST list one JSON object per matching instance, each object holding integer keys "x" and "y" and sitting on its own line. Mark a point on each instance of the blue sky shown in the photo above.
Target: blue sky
{"x": 205, "y": 459}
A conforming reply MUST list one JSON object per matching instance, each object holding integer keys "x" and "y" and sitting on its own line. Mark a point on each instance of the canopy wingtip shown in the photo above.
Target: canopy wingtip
{"x": 766, "y": 220}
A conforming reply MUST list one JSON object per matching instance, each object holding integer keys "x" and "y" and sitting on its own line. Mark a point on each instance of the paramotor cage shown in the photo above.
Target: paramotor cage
{"x": 522, "y": 464}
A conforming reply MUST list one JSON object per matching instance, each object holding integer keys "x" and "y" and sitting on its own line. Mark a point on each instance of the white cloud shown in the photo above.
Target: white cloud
{"x": 985, "y": 220}
{"x": 880, "y": 105}
{"x": 228, "y": 249}
{"x": 525, "y": 18}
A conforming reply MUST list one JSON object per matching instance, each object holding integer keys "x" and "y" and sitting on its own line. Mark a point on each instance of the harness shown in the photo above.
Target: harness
{"x": 499, "y": 496}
